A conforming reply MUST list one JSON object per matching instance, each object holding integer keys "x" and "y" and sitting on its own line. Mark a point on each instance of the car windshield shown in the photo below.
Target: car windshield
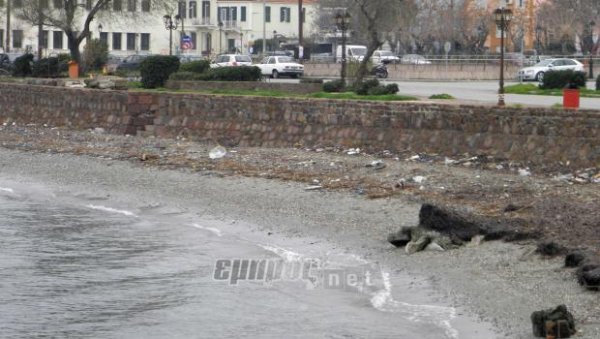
{"x": 386, "y": 53}
{"x": 242, "y": 58}
{"x": 358, "y": 51}
{"x": 544, "y": 62}
{"x": 285, "y": 59}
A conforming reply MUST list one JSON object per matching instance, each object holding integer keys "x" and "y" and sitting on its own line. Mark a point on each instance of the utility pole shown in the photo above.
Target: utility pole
{"x": 40, "y": 29}
{"x": 300, "y": 23}
{"x": 8, "y": 8}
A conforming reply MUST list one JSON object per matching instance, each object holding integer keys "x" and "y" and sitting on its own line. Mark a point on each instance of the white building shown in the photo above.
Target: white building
{"x": 134, "y": 26}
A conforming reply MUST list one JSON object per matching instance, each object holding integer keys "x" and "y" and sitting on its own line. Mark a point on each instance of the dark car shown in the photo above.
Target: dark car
{"x": 131, "y": 62}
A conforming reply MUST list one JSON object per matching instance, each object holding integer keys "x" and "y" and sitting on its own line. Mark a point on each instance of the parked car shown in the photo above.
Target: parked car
{"x": 537, "y": 71}
{"x": 131, "y": 62}
{"x": 276, "y": 66}
{"x": 414, "y": 59}
{"x": 185, "y": 58}
{"x": 227, "y": 60}
{"x": 388, "y": 56}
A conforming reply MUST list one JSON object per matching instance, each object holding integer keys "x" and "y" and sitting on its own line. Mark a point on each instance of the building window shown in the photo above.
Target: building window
{"x": 57, "y": 40}
{"x": 181, "y": 8}
{"x": 145, "y": 43}
{"x": 58, "y": 4}
{"x": 233, "y": 11}
{"x": 192, "y": 10}
{"x": 44, "y": 4}
{"x": 268, "y": 14}
{"x": 194, "y": 37}
{"x": 117, "y": 5}
{"x": 205, "y": 9}
{"x": 131, "y": 5}
{"x": 116, "y": 41}
{"x": 17, "y": 3}
{"x": 88, "y": 5}
{"x": 104, "y": 38}
{"x": 145, "y": 5}
{"x": 284, "y": 14}
{"x": 243, "y": 13}
{"x": 44, "y": 39}
{"x": 17, "y": 38}
{"x": 1, "y": 37}
{"x": 131, "y": 41}
{"x": 1, "y": 3}
{"x": 303, "y": 14}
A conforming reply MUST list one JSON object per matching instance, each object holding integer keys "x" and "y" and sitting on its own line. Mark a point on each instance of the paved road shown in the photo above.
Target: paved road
{"x": 478, "y": 91}
{"x": 485, "y": 91}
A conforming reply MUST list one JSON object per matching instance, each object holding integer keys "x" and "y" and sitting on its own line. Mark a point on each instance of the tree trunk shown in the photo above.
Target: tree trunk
{"x": 73, "y": 43}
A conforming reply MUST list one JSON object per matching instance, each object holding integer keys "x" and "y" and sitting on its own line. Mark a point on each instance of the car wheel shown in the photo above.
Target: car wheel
{"x": 275, "y": 74}
{"x": 539, "y": 77}
{"x": 295, "y": 76}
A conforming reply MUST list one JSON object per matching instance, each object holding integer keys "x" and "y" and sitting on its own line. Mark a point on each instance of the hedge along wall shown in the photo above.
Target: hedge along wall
{"x": 538, "y": 135}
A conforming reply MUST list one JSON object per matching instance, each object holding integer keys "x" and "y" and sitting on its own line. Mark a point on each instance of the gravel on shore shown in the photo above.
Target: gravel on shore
{"x": 358, "y": 204}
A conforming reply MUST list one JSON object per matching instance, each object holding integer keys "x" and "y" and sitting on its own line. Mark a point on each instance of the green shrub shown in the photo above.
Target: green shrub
{"x": 311, "y": 81}
{"x": 63, "y": 62}
{"x": 95, "y": 55}
{"x": 46, "y": 68}
{"x": 392, "y": 88}
{"x": 239, "y": 73}
{"x": 562, "y": 79}
{"x": 22, "y": 65}
{"x": 362, "y": 88}
{"x": 334, "y": 86}
{"x": 198, "y": 66}
{"x": 598, "y": 83}
{"x": 185, "y": 76}
{"x": 441, "y": 96}
{"x": 156, "y": 69}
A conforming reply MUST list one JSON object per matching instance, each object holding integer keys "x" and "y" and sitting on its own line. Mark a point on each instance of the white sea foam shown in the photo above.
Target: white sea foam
{"x": 286, "y": 255}
{"x": 9, "y": 190}
{"x": 383, "y": 300}
{"x": 112, "y": 210}
{"x": 216, "y": 231}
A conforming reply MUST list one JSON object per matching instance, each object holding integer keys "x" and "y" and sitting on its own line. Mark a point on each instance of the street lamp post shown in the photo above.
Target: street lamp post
{"x": 592, "y": 24}
{"x": 342, "y": 21}
{"x": 502, "y": 17}
{"x": 170, "y": 25}
{"x": 273, "y": 46}
{"x": 220, "y": 37}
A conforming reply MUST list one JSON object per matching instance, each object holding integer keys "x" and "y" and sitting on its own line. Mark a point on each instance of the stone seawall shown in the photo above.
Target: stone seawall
{"x": 537, "y": 135}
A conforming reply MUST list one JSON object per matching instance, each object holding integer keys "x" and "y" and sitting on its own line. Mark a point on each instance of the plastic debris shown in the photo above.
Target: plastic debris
{"x": 353, "y": 151}
{"x": 376, "y": 164}
{"x": 524, "y": 172}
{"x": 217, "y": 152}
{"x": 313, "y": 188}
{"x": 418, "y": 179}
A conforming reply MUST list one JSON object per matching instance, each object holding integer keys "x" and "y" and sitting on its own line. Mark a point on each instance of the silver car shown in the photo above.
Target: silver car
{"x": 537, "y": 71}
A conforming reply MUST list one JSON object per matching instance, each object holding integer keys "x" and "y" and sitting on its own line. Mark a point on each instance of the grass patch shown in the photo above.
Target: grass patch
{"x": 354, "y": 96}
{"x": 281, "y": 94}
{"x": 441, "y": 96}
{"x": 532, "y": 89}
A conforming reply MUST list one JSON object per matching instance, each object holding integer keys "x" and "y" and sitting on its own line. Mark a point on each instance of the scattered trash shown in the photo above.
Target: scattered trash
{"x": 524, "y": 172}
{"x": 377, "y": 164}
{"x": 147, "y": 157}
{"x": 359, "y": 190}
{"x": 313, "y": 188}
{"x": 418, "y": 179}
{"x": 217, "y": 152}
{"x": 98, "y": 130}
{"x": 448, "y": 161}
{"x": 414, "y": 158}
{"x": 353, "y": 151}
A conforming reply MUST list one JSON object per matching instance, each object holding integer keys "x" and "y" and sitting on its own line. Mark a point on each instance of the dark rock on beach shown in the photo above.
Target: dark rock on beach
{"x": 550, "y": 249}
{"x": 447, "y": 222}
{"x": 400, "y": 238}
{"x": 589, "y": 276}
{"x": 574, "y": 259}
{"x": 557, "y": 322}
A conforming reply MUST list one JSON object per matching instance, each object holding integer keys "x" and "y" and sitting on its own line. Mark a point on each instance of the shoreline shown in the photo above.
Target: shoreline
{"x": 502, "y": 283}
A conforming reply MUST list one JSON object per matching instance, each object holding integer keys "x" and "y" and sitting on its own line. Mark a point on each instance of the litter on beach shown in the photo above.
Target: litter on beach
{"x": 313, "y": 188}
{"x": 217, "y": 152}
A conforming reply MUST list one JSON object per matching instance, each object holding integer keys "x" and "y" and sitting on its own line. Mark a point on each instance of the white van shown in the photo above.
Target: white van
{"x": 353, "y": 53}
